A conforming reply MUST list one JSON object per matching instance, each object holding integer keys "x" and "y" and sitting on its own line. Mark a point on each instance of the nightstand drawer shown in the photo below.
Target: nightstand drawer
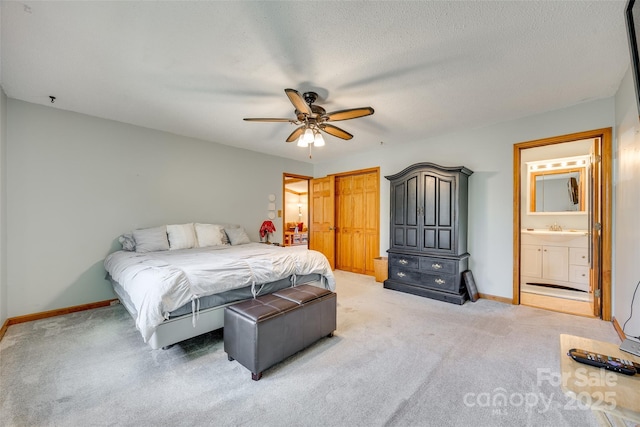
{"x": 438, "y": 265}
{"x": 404, "y": 261}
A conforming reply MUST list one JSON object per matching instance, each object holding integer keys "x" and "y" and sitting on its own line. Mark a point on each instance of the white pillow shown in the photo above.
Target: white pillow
{"x": 128, "y": 242}
{"x": 210, "y": 235}
{"x": 237, "y": 236}
{"x": 182, "y": 236}
{"x": 225, "y": 238}
{"x": 151, "y": 239}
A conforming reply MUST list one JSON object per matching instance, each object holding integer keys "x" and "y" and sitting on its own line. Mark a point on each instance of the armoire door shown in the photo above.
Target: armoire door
{"x": 404, "y": 206}
{"x": 437, "y": 205}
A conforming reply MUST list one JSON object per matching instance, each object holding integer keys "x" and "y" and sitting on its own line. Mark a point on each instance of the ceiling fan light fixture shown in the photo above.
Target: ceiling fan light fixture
{"x": 302, "y": 142}
{"x": 308, "y": 136}
{"x": 318, "y": 140}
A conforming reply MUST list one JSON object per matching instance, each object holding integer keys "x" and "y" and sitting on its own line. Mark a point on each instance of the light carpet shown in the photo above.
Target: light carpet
{"x": 395, "y": 359}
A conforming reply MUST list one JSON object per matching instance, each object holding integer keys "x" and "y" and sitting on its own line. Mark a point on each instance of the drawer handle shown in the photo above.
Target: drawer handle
{"x": 403, "y": 261}
{"x": 436, "y": 266}
{"x": 400, "y": 274}
{"x": 439, "y": 281}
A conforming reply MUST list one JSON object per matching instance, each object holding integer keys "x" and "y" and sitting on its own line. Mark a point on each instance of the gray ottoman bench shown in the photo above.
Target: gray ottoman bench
{"x": 263, "y": 331}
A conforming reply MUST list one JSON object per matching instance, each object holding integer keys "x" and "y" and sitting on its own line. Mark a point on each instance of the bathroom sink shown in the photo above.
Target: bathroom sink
{"x": 556, "y": 236}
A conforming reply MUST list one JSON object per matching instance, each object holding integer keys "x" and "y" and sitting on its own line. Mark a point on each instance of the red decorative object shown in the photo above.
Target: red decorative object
{"x": 267, "y": 228}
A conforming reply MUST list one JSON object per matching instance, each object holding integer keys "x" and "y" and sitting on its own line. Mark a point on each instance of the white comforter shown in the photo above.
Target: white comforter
{"x": 160, "y": 282}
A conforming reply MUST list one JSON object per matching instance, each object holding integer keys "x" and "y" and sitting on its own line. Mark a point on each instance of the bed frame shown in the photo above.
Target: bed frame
{"x": 181, "y": 328}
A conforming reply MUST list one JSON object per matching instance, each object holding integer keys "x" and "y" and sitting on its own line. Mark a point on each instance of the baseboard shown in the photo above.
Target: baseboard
{"x": 496, "y": 298}
{"x": 52, "y": 313}
{"x": 618, "y": 329}
{"x": 4, "y": 328}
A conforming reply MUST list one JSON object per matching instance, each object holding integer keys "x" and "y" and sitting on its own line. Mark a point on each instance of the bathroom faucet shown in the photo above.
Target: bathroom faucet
{"x": 555, "y": 227}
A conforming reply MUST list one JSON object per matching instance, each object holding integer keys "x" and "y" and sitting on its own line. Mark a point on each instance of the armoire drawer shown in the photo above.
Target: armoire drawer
{"x": 402, "y": 274}
{"x": 404, "y": 261}
{"x": 438, "y": 265}
{"x": 444, "y": 282}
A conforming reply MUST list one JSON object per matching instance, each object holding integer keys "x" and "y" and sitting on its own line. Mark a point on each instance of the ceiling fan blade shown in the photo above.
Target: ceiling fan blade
{"x": 259, "y": 119}
{"x": 352, "y": 113}
{"x": 335, "y": 131}
{"x": 296, "y": 134}
{"x": 298, "y": 101}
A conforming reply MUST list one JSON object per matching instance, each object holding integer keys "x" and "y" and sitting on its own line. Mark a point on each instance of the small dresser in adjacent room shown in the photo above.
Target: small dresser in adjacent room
{"x": 428, "y": 235}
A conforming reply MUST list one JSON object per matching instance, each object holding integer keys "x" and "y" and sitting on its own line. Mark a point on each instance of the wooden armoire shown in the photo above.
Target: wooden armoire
{"x": 428, "y": 235}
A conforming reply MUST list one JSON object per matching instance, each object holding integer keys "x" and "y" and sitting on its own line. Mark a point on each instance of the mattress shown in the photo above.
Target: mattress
{"x": 157, "y": 285}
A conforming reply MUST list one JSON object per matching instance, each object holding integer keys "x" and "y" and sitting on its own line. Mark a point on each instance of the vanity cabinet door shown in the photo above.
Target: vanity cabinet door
{"x": 531, "y": 261}
{"x": 555, "y": 262}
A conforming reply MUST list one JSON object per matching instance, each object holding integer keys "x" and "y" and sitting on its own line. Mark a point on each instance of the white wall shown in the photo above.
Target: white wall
{"x": 75, "y": 183}
{"x": 627, "y": 195}
{"x": 3, "y": 208}
{"x": 488, "y": 152}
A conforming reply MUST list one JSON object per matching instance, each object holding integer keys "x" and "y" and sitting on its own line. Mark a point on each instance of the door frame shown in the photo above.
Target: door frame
{"x": 606, "y": 151}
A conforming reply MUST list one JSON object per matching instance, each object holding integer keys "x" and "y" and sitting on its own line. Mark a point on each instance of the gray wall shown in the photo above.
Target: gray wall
{"x": 626, "y": 267}
{"x": 76, "y": 182}
{"x": 488, "y": 152}
{"x": 3, "y": 208}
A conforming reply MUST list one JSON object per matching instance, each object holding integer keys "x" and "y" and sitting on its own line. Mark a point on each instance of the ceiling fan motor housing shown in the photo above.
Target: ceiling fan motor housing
{"x": 310, "y": 97}
{"x": 316, "y": 110}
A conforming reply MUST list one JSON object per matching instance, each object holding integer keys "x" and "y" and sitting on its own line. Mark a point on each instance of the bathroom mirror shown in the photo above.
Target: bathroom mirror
{"x": 557, "y": 186}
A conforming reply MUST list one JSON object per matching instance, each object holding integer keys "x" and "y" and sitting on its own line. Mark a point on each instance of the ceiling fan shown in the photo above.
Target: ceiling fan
{"x": 313, "y": 119}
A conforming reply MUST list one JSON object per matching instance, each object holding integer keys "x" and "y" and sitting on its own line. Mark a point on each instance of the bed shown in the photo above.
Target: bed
{"x": 175, "y": 292}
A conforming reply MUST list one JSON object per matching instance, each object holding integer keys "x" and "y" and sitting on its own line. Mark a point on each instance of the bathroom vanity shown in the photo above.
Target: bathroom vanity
{"x": 557, "y": 258}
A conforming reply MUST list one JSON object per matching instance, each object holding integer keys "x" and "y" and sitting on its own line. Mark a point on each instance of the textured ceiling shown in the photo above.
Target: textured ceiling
{"x": 198, "y": 68}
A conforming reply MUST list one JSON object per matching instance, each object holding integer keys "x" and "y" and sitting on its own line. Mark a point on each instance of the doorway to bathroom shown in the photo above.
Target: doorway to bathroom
{"x": 562, "y": 223}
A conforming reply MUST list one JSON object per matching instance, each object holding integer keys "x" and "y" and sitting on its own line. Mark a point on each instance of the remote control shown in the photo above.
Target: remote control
{"x": 622, "y": 366}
